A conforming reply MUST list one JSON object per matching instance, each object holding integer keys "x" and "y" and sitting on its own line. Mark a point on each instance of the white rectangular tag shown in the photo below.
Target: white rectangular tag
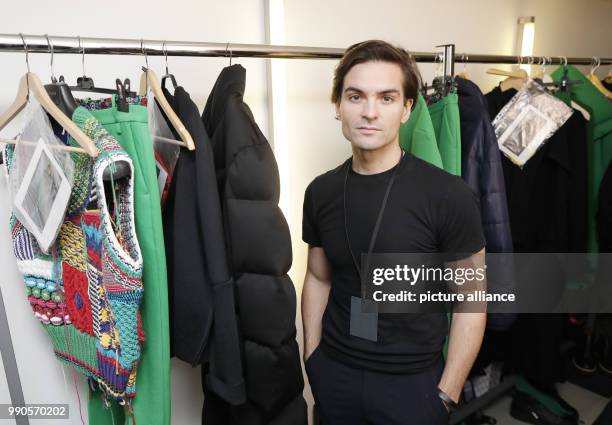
{"x": 43, "y": 196}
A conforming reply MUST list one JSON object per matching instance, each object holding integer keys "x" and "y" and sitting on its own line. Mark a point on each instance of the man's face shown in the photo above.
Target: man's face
{"x": 372, "y": 104}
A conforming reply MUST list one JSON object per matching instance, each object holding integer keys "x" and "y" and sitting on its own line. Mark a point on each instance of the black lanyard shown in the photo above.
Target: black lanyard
{"x": 376, "y": 225}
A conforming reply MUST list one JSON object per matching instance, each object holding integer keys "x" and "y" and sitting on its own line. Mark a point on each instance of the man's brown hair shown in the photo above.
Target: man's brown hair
{"x": 378, "y": 50}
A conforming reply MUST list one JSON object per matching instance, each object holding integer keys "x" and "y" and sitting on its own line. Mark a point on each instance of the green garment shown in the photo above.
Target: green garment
{"x": 447, "y": 127}
{"x": 417, "y": 135}
{"x": 599, "y": 137}
{"x": 152, "y": 402}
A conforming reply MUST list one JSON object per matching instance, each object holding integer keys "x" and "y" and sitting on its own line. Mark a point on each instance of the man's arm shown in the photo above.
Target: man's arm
{"x": 315, "y": 293}
{"x": 466, "y": 333}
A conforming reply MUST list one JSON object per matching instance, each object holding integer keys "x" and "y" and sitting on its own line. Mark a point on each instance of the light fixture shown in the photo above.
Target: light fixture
{"x": 525, "y": 39}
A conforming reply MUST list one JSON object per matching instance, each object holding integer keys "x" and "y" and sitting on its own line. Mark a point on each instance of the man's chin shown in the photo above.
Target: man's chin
{"x": 368, "y": 145}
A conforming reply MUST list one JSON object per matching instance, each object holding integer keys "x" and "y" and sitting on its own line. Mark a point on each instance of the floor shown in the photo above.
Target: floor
{"x": 588, "y": 403}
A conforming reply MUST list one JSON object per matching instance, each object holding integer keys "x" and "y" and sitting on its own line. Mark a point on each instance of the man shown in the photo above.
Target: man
{"x": 398, "y": 376}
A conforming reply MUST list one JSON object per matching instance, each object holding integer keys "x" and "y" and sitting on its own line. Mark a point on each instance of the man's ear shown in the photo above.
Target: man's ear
{"x": 337, "y": 107}
{"x": 407, "y": 108}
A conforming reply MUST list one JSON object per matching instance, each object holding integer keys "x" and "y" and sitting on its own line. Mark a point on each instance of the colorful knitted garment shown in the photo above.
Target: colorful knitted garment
{"x": 87, "y": 291}
{"x": 107, "y": 103}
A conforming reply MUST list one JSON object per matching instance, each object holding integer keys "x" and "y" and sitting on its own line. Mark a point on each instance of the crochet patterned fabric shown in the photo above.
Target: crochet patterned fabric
{"x": 87, "y": 291}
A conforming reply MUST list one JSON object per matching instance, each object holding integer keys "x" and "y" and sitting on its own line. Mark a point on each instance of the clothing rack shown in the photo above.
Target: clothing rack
{"x": 125, "y": 46}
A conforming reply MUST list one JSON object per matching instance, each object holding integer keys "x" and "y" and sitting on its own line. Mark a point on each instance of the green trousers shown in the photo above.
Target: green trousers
{"x": 151, "y": 405}
{"x": 417, "y": 135}
{"x": 447, "y": 127}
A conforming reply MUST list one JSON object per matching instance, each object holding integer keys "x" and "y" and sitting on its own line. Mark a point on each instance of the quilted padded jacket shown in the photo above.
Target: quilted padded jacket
{"x": 259, "y": 251}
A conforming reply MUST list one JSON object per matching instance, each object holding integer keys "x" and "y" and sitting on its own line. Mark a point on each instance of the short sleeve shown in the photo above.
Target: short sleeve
{"x": 460, "y": 233}
{"x": 310, "y": 229}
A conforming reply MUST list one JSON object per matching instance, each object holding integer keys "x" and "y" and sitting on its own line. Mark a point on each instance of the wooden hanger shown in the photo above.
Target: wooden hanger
{"x": 30, "y": 85}
{"x": 515, "y": 79}
{"x": 149, "y": 80}
{"x": 595, "y": 80}
{"x": 521, "y": 73}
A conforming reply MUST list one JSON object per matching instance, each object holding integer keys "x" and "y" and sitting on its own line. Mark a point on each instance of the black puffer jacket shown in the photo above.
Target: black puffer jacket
{"x": 259, "y": 250}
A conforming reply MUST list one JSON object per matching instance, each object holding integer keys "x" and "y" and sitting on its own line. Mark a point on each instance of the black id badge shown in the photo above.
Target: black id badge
{"x": 364, "y": 319}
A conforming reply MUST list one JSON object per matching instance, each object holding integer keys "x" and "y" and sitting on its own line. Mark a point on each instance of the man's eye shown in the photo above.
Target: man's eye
{"x": 354, "y": 97}
{"x": 387, "y": 99}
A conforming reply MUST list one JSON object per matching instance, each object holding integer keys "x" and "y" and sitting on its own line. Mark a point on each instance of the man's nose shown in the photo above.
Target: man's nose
{"x": 370, "y": 110}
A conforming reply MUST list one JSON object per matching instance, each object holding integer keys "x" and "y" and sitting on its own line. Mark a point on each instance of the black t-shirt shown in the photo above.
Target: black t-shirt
{"x": 428, "y": 211}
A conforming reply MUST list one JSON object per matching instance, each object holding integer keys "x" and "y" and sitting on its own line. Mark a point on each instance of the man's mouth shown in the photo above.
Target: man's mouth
{"x": 367, "y": 129}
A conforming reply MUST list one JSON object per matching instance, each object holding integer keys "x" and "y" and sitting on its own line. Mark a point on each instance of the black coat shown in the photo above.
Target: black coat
{"x": 604, "y": 212}
{"x": 259, "y": 250}
{"x": 547, "y": 198}
{"x": 203, "y": 317}
{"x": 604, "y": 235}
{"x": 481, "y": 169}
{"x": 547, "y": 201}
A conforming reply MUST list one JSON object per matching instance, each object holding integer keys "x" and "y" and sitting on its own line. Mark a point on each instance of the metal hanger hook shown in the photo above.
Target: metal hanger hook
{"x": 25, "y": 48}
{"x": 564, "y": 59}
{"x": 545, "y": 61}
{"x": 82, "y": 49}
{"x": 165, "y": 51}
{"x": 439, "y": 61}
{"x": 51, "y": 50}
{"x": 144, "y": 53}
{"x": 464, "y": 58}
{"x": 230, "y": 52}
{"x": 596, "y": 64}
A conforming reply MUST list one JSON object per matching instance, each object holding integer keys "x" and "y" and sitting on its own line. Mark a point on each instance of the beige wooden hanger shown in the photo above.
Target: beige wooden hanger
{"x": 29, "y": 85}
{"x": 595, "y": 80}
{"x": 149, "y": 81}
{"x": 515, "y": 79}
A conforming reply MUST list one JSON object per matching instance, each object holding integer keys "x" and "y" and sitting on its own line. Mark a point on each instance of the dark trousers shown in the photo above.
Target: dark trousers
{"x": 345, "y": 395}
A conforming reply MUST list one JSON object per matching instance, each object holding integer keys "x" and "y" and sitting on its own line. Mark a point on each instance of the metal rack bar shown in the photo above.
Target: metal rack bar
{"x": 120, "y": 46}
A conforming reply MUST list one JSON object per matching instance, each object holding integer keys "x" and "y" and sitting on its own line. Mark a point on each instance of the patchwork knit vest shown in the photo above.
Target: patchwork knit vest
{"x": 86, "y": 292}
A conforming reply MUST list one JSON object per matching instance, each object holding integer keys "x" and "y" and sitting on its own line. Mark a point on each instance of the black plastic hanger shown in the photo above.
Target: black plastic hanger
{"x": 565, "y": 83}
{"x": 58, "y": 91}
{"x": 86, "y": 84}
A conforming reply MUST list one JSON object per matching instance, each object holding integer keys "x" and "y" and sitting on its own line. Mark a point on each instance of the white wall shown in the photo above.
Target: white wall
{"x": 563, "y": 27}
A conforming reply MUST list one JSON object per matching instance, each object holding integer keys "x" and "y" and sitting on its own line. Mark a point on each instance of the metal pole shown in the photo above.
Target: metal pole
{"x": 117, "y": 46}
